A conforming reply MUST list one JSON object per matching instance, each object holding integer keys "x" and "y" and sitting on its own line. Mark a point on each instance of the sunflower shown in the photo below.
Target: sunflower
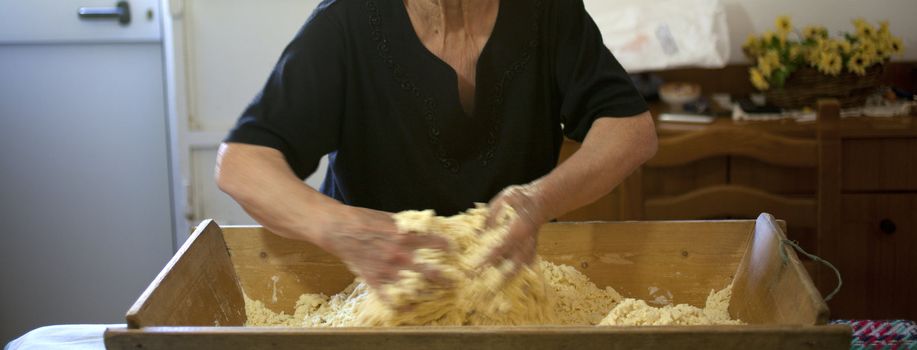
{"x": 883, "y": 28}
{"x": 864, "y": 29}
{"x": 865, "y": 45}
{"x": 846, "y": 47}
{"x": 765, "y": 67}
{"x": 868, "y": 50}
{"x": 814, "y": 53}
{"x": 784, "y": 24}
{"x": 752, "y": 45}
{"x": 772, "y": 57}
{"x": 795, "y": 52}
{"x": 857, "y": 64}
{"x": 768, "y": 37}
{"x": 859, "y": 23}
{"x": 882, "y": 54}
{"x": 758, "y": 80}
{"x": 830, "y": 63}
{"x": 896, "y": 46}
{"x": 814, "y": 32}
{"x": 781, "y": 37}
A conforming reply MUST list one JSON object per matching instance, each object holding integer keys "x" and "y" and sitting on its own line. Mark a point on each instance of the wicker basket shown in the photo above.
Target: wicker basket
{"x": 806, "y": 85}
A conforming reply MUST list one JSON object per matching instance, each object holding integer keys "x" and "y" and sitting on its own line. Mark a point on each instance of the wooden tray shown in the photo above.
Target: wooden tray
{"x": 201, "y": 288}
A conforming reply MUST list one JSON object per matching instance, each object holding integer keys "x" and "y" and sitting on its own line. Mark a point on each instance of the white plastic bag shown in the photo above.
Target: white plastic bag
{"x": 663, "y": 34}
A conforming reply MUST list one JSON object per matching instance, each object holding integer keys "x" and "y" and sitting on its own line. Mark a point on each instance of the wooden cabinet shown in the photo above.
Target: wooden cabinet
{"x": 874, "y": 248}
{"x": 879, "y": 164}
{"x": 868, "y": 214}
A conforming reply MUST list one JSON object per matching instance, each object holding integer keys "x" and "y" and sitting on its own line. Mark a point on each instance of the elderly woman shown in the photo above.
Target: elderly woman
{"x": 434, "y": 104}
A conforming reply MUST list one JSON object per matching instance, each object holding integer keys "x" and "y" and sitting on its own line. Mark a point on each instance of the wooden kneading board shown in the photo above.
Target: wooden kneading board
{"x": 196, "y": 301}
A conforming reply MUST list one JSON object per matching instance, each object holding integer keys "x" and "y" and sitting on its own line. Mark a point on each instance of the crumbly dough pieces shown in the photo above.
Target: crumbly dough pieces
{"x": 544, "y": 294}
{"x": 633, "y": 312}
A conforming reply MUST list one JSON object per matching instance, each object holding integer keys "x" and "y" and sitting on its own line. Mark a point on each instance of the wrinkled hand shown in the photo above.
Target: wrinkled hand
{"x": 522, "y": 238}
{"x": 369, "y": 243}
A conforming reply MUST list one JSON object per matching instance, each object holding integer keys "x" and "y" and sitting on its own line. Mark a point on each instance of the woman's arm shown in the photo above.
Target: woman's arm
{"x": 262, "y": 182}
{"x": 612, "y": 150}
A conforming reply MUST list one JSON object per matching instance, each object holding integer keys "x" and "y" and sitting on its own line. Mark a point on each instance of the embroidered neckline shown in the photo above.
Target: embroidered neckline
{"x": 428, "y": 103}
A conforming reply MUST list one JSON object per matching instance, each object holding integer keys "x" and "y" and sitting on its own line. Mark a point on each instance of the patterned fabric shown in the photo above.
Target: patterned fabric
{"x": 891, "y": 335}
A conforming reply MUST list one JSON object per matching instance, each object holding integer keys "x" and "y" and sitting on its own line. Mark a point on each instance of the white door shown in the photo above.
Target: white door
{"x": 85, "y": 207}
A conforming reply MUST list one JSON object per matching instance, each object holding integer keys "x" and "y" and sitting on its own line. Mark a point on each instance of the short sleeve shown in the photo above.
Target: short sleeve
{"x": 299, "y": 110}
{"x": 591, "y": 81}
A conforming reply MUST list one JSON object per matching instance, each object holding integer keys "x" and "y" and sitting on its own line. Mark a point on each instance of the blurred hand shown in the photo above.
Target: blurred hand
{"x": 369, "y": 243}
{"x": 520, "y": 242}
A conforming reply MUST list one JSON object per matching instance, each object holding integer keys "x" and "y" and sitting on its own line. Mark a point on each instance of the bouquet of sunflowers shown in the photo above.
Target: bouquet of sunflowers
{"x": 787, "y": 57}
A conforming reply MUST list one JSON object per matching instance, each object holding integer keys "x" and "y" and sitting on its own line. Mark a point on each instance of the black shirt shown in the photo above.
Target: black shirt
{"x": 357, "y": 83}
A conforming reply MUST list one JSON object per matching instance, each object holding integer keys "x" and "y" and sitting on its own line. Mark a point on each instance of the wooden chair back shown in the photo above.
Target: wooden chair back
{"x": 732, "y": 200}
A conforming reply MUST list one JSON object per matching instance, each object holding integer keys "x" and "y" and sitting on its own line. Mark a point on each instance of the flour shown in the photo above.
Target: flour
{"x": 544, "y": 294}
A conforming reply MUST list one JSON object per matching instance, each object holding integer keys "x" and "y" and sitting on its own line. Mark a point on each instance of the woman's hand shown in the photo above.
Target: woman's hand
{"x": 520, "y": 242}
{"x": 369, "y": 243}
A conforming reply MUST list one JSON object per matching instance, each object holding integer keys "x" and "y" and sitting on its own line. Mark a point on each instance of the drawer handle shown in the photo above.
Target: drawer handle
{"x": 121, "y": 12}
{"x": 888, "y": 226}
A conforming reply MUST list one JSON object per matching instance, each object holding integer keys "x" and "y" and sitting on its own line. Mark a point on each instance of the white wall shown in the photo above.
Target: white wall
{"x": 756, "y": 16}
{"x": 224, "y": 51}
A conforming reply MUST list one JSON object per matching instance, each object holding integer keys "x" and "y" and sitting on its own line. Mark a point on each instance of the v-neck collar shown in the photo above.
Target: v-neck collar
{"x": 455, "y": 98}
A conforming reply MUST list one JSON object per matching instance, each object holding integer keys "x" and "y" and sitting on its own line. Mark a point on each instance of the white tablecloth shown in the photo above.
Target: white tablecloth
{"x": 65, "y": 337}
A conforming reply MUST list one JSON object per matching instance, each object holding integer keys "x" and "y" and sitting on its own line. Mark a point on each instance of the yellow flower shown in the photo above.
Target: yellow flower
{"x": 758, "y": 80}
{"x": 830, "y": 63}
{"x": 882, "y": 54}
{"x": 772, "y": 57}
{"x": 810, "y": 32}
{"x": 765, "y": 67}
{"x": 868, "y": 50}
{"x": 897, "y": 46}
{"x": 767, "y": 37}
{"x": 857, "y": 64}
{"x": 795, "y": 52}
{"x": 769, "y": 62}
{"x": 752, "y": 45}
{"x": 813, "y": 54}
{"x": 884, "y": 44}
{"x": 784, "y": 24}
{"x": 864, "y": 29}
{"x": 865, "y": 45}
{"x": 883, "y": 28}
{"x": 752, "y": 41}
{"x": 846, "y": 47}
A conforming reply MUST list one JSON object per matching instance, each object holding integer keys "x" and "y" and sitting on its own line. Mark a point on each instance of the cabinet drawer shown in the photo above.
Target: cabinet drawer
{"x": 880, "y": 165}
{"x": 875, "y": 248}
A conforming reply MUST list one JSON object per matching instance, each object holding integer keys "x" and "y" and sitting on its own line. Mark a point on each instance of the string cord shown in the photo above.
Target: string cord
{"x": 840, "y": 281}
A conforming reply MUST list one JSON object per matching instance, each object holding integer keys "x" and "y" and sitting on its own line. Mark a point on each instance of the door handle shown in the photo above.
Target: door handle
{"x": 121, "y": 12}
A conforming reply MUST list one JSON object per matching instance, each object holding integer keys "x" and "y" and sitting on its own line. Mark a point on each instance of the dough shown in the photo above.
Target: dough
{"x": 632, "y": 312}
{"x": 544, "y": 294}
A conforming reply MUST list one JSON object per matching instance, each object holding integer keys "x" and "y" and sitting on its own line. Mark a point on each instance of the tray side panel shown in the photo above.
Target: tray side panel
{"x": 277, "y": 270}
{"x": 659, "y": 261}
{"x": 769, "y": 289}
{"x": 198, "y": 287}
{"x": 742, "y": 337}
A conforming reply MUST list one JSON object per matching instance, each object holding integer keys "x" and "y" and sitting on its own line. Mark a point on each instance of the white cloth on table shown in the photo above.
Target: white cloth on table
{"x": 63, "y": 337}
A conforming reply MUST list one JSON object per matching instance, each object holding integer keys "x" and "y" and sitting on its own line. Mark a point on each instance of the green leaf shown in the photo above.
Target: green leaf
{"x": 779, "y": 77}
